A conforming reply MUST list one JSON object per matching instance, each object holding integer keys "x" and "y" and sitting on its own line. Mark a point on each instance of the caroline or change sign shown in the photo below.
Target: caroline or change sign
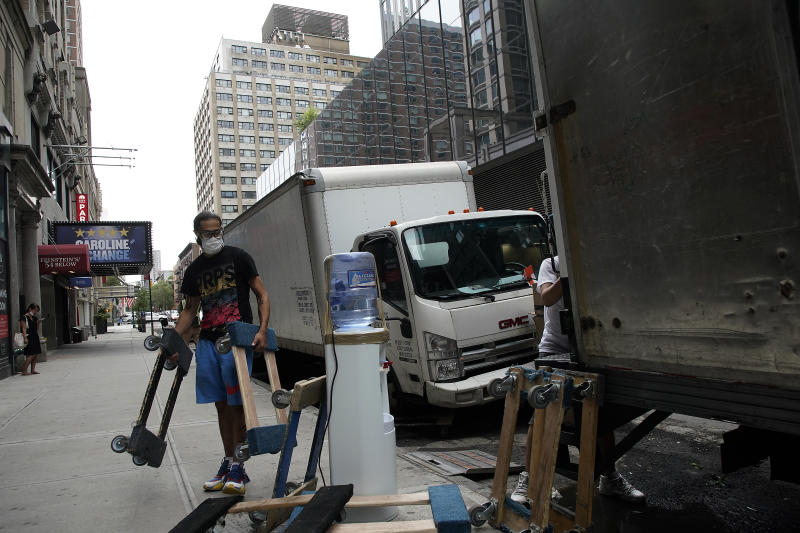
{"x": 108, "y": 242}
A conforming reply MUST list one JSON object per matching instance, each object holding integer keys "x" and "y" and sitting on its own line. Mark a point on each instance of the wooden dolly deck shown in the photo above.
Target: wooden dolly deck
{"x": 550, "y": 392}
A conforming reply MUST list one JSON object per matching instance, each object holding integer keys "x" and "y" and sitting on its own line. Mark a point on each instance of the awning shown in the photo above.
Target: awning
{"x": 71, "y": 259}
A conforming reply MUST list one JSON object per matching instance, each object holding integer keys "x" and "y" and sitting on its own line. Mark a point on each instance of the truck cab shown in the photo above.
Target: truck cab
{"x": 458, "y": 308}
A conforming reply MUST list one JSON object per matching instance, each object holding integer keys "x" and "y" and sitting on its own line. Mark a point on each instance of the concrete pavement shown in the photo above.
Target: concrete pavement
{"x": 59, "y": 474}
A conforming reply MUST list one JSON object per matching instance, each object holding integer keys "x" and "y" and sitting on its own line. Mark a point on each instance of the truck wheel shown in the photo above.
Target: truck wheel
{"x": 394, "y": 392}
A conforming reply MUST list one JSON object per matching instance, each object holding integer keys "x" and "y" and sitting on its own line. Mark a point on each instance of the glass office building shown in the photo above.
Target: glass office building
{"x": 454, "y": 81}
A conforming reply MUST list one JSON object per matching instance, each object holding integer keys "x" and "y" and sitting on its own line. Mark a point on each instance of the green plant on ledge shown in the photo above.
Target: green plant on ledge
{"x": 101, "y": 314}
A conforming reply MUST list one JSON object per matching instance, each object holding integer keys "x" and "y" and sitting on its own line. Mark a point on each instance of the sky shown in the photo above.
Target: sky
{"x": 146, "y": 64}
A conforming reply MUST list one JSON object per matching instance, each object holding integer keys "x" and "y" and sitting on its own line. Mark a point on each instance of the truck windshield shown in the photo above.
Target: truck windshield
{"x": 468, "y": 257}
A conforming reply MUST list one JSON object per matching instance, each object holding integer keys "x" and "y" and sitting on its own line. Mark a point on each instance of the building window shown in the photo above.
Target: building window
{"x": 312, "y": 59}
{"x": 277, "y": 66}
{"x": 473, "y": 16}
{"x": 283, "y": 101}
{"x": 244, "y": 85}
{"x": 227, "y": 180}
{"x": 264, "y": 166}
{"x": 347, "y": 74}
{"x": 362, "y": 64}
{"x": 266, "y": 140}
{"x": 283, "y": 88}
{"x": 285, "y": 114}
{"x": 259, "y": 64}
{"x": 264, "y": 87}
{"x": 249, "y": 181}
{"x": 239, "y": 49}
{"x": 320, "y": 92}
{"x": 283, "y": 141}
{"x": 228, "y": 194}
{"x": 222, "y": 110}
{"x": 247, "y": 167}
{"x": 264, "y": 100}
{"x": 266, "y": 153}
{"x": 300, "y": 90}
{"x": 276, "y": 53}
{"x": 244, "y": 98}
{"x": 266, "y": 126}
{"x": 223, "y": 83}
{"x": 245, "y": 125}
{"x": 298, "y": 115}
{"x": 265, "y": 113}
{"x": 225, "y": 97}
{"x": 258, "y": 51}
{"x": 239, "y": 62}
{"x": 249, "y": 195}
{"x": 227, "y": 152}
{"x": 331, "y": 73}
{"x": 319, "y": 104}
{"x": 296, "y": 56}
{"x": 314, "y": 70}
{"x": 335, "y": 93}
{"x": 225, "y": 137}
{"x": 285, "y": 128}
{"x": 225, "y": 124}
{"x": 347, "y": 62}
{"x": 247, "y": 139}
{"x": 330, "y": 61}
{"x": 230, "y": 209}
{"x": 301, "y": 103}
{"x": 247, "y": 152}
{"x": 224, "y": 165}
{"x": 245, "y": 112}
{"x": 475, "y": 37}
{"x": 295, "y": 68}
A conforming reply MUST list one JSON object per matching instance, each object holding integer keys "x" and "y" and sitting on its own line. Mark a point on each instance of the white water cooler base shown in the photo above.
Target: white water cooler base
{"x": 361, "y": 437}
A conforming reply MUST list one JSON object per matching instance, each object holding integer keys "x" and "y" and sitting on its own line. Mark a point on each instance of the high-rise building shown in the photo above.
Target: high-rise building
{"x": 453, "y": 82}
{"x": 74, "y": 33}
{"x": 255, "y": 94}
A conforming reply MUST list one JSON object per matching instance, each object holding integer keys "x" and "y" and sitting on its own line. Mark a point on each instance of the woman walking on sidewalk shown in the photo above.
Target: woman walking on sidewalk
{"x": 29, "y": 325}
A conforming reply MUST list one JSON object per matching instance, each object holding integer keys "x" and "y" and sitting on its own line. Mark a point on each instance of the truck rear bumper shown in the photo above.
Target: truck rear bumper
{"x": 465, "y": 393}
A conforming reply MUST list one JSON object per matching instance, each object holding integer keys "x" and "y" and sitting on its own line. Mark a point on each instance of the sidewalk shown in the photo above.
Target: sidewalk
{"x": 59, "y": 473}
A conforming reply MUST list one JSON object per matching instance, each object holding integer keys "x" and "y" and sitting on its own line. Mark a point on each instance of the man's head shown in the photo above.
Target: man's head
{"x": 208, "y": 229}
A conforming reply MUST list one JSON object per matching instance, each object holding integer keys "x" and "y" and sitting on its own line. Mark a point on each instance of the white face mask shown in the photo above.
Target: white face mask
{"x": 212, "y": 245}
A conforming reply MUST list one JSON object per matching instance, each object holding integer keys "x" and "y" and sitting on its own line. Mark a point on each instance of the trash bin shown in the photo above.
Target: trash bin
{"x": 77, "y": 334}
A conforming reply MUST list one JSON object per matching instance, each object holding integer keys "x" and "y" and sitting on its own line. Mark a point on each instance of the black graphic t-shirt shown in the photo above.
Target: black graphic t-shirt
{"x": 223, "y": 284}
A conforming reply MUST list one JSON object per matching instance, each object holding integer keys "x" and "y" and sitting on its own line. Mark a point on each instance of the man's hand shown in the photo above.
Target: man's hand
{"x": 260, "y": 341}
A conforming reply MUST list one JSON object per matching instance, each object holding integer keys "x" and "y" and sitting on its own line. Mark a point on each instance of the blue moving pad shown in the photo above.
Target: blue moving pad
{"x": 266, "y": 439}
{"x": 242, "y": 334}
{"x": 449, "y": 512}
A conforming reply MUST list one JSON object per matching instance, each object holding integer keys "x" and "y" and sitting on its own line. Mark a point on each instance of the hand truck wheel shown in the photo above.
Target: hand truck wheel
{"x": 223, "y": 344}
{"x": 151, "y": 343}
{"x": 241, "y": 452}
{"x": 257, "y": 517}
{"x": 119, "y": 444}
{"x": 139, "y": 461}
{"x": 477, "y": 515}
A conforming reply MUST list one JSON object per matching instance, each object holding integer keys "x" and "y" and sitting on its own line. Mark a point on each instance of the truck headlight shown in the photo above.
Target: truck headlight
{"x": 444, "y": 357}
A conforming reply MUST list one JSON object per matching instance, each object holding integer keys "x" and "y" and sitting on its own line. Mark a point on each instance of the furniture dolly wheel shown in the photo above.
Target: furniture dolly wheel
{"x": 151, "y": 343}
{"x": 139, "y": 461}
{"x": 119, "y": 444}
{"x": 498, "y": 387}
{"x": 241, "y": 452}
{"x": 257, "y": 517}
{"x": 541, "y": 395}
{"x": 479, "y": 514}
{"x": 281, "y": 398}
{"x": 223, "y": 344}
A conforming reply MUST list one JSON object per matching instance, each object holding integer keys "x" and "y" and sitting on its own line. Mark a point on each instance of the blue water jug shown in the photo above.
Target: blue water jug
{"x": 353, "y": 291}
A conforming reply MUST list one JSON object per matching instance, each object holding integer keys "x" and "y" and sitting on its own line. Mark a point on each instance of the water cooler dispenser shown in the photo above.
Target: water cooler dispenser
{"x": 361, "y": 436}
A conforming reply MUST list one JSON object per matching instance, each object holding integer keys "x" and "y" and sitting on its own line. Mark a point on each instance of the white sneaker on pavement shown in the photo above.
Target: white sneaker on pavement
{"x": 520, "y": 494}
{"x": 619, "y": 487}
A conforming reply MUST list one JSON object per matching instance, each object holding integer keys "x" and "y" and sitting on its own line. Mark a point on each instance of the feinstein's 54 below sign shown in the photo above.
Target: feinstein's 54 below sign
{"x": 111, "y": 244}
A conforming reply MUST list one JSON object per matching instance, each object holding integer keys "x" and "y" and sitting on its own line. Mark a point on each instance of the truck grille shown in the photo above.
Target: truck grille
{"x": 491, "y": 356}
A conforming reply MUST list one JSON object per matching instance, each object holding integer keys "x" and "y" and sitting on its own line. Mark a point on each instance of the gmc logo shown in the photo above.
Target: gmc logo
{"x": 513, "y": 322}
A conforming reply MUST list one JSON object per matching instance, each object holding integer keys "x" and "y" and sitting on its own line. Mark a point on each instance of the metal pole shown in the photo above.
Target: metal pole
{"x": 150, "y": 288}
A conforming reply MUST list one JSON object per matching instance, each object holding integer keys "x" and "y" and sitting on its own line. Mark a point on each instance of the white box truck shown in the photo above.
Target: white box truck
{"x": 458, "y": 309}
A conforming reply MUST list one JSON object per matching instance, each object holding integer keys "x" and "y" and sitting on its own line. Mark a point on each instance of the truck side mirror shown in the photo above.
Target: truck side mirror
{"x": 405, "y": 328}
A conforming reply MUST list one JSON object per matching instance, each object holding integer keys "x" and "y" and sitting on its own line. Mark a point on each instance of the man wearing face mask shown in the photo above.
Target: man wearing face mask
{"x": 221, "y": 280}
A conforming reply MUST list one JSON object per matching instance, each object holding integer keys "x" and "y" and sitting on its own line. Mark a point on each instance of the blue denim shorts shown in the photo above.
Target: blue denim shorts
{"x": 215, "y": 379}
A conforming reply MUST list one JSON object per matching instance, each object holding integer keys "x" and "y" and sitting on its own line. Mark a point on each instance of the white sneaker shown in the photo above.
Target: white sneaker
{"x": 520, "y": 494}
{"x": 619, "y": 487}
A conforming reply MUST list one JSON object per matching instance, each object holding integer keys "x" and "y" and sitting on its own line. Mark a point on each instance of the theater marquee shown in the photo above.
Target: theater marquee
{"x": 114, "y": 247}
